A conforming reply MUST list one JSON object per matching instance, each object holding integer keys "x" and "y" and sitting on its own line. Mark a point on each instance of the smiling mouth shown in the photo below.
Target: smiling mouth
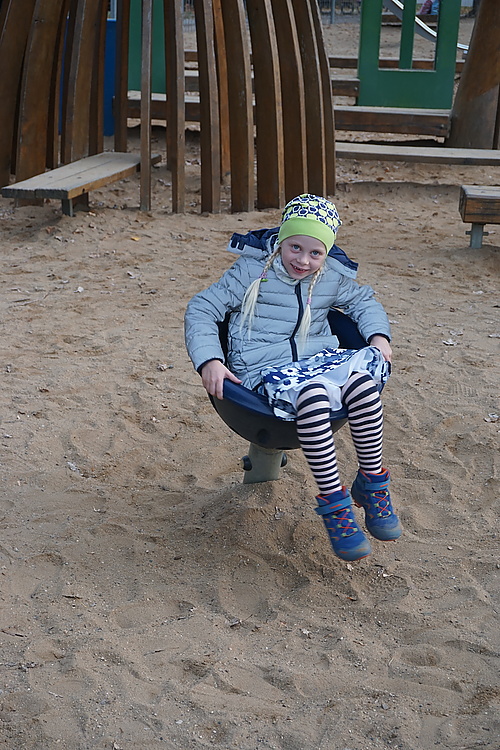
{"x": 299, "y": 270}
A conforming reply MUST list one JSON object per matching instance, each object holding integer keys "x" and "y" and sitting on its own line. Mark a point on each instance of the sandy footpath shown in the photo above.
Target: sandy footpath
{"x": 151, "y": 600}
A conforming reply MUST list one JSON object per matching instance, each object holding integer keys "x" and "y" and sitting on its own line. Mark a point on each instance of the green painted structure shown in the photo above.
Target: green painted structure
{"x": 402, "y": 86}
{"x": 134, "y": 61}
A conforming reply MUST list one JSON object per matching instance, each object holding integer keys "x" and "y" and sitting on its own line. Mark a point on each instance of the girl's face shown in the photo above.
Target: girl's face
{"x": 302, "y": 255}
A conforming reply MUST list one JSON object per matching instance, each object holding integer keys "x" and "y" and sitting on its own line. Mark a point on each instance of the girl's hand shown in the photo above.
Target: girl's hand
{"x": 381, "y": 343}
{"x": 213, "y": 375}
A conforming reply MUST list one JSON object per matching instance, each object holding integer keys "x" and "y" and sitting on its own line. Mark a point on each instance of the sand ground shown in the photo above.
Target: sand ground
{"x": 149, "y": 598}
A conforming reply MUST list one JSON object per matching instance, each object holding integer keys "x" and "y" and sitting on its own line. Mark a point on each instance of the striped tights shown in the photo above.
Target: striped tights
{"x": 364, "y": 407}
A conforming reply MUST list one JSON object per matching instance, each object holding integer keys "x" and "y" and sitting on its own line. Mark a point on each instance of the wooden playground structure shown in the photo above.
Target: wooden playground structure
{"x": 262, "y": 88}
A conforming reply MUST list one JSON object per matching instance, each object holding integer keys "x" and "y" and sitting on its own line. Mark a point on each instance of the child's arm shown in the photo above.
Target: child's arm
{"x": 381, "y": 343}
{"x": 213, "y": 374}
{"x": 359, "y": 303}
{"x": 203, "y": 313}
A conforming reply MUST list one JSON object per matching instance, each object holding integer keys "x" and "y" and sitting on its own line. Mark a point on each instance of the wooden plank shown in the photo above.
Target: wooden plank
{"x": 293, "y": 98}
{"x": 349, "y": 61}
{"x": 76, "y": 178}
{"x": 16, "y": 18}
{"x": 121, "y": 75}
{"x": 480, "y": 205}
{"x": 76, "y": 103}
{"x": 35, "y": 89}
{"x": 241, "y": 127}
{"x": 381, "y": 120}
{"x": 345, "y": 86}
{"x": 326, "y": 87}
{"x": 422, "y": 154}
{"x": 314, "y": 106}
{"x": 146, "y": 76}
{"x": 158, "y": 106}
{"x": 176, "y": 120}
{"x": 268, "y": 111}
{"x": 209, "y": 108}
{"x": 341, "y": 85}
{"x": 393, "y": 120}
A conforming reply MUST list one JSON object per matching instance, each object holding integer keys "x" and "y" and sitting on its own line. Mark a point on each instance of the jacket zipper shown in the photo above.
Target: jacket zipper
{"x": 293, "y": 345}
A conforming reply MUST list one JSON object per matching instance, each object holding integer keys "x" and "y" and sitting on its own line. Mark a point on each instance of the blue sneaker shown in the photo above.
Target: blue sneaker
{"x": 371, "y": 492}
{"x": 347, "y": 539}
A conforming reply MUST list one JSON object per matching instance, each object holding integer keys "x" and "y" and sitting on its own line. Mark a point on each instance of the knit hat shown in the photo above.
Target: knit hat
{"x": 312, "y": 216}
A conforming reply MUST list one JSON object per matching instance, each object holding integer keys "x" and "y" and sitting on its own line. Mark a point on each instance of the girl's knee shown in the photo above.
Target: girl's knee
{"x": 312, "y": 392}
{"x": 358, "y": 385}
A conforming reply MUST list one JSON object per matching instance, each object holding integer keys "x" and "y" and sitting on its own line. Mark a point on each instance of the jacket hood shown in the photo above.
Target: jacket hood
{"x": 260, "y": 243}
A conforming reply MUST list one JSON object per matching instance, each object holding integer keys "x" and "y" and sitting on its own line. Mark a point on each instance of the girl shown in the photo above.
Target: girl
{"x": 278, "y": 294}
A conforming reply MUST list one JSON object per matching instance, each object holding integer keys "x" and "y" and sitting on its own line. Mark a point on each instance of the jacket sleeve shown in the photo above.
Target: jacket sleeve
{"x": 359, "y": 303}
{"x": 209, "y": 307}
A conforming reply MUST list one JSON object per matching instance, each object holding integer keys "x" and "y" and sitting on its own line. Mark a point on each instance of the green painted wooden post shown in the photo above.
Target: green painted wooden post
{"x": 407, "y": 34}
{"x": 404, "y": 87}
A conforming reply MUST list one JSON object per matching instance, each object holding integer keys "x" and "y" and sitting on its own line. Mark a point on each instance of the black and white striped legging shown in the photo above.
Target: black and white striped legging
{"x": 364, "y": 408}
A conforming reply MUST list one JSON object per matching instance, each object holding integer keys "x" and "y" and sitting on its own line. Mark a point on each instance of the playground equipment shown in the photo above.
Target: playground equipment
{"x": 405, "y": 86}
{"x": 52, "y": 51}
{"x": 472, "y": 127}
{"x": 249, "y": 415}
{"x": 253, "y": 104}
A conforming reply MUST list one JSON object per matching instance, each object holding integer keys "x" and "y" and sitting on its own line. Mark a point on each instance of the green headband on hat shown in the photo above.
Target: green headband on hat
{"x": 312, "y": 216}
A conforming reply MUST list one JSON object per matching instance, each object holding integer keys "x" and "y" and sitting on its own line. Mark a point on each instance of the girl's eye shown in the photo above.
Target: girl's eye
{"x": 315, "y": 253}
{"x": 295, "y": 247}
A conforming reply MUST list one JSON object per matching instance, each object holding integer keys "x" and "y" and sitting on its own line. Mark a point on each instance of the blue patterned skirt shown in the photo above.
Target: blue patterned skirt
{"x": 331, "y": 367}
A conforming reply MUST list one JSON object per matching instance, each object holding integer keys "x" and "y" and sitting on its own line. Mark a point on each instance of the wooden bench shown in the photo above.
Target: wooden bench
{"x": 72, "y": 182}
{"x": 479, "y": 205}
{"x": 422, "y": 154}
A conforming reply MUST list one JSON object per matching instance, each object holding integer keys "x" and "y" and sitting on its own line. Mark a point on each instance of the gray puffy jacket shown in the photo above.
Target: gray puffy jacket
{"x": 279, "y": 309}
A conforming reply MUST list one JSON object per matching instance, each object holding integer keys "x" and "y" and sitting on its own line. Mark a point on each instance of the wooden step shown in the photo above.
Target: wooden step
{"x": 434, "y": 122}
{"x": 370, "y": 119}
{"x": 351, "y": 61}
{"x": 341, "y": 85}
{"x": 423, "y": 154}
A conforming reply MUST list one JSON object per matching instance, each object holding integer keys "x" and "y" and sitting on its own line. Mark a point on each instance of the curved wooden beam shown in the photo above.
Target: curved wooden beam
{"x": 53, "y": 125}
{"x": 121, "y": 74}
{"x": 241, "y": 127}
{"x": 315, "y": 117}
{"x": 293, "y": 98}
{"x": 175, "y": 89}
{"x": 209, "y": 107}
{"x": 14, "y": 30}
{"x": 146, "y": 77}
{"x": 268, "y": 110}
{"x": 96, "y": 121}
{"x": 326, "y": 88}
{"x": 78, "y": 80}
{"x": 36, "y": 83}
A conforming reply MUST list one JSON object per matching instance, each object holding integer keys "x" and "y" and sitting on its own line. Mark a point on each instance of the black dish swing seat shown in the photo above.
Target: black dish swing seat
{"x": 249, "y": 415}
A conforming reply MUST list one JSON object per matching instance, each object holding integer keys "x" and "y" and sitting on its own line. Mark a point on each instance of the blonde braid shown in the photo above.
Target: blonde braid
{"x": 305, "y": 323}
{"x": 252, "y": 293}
